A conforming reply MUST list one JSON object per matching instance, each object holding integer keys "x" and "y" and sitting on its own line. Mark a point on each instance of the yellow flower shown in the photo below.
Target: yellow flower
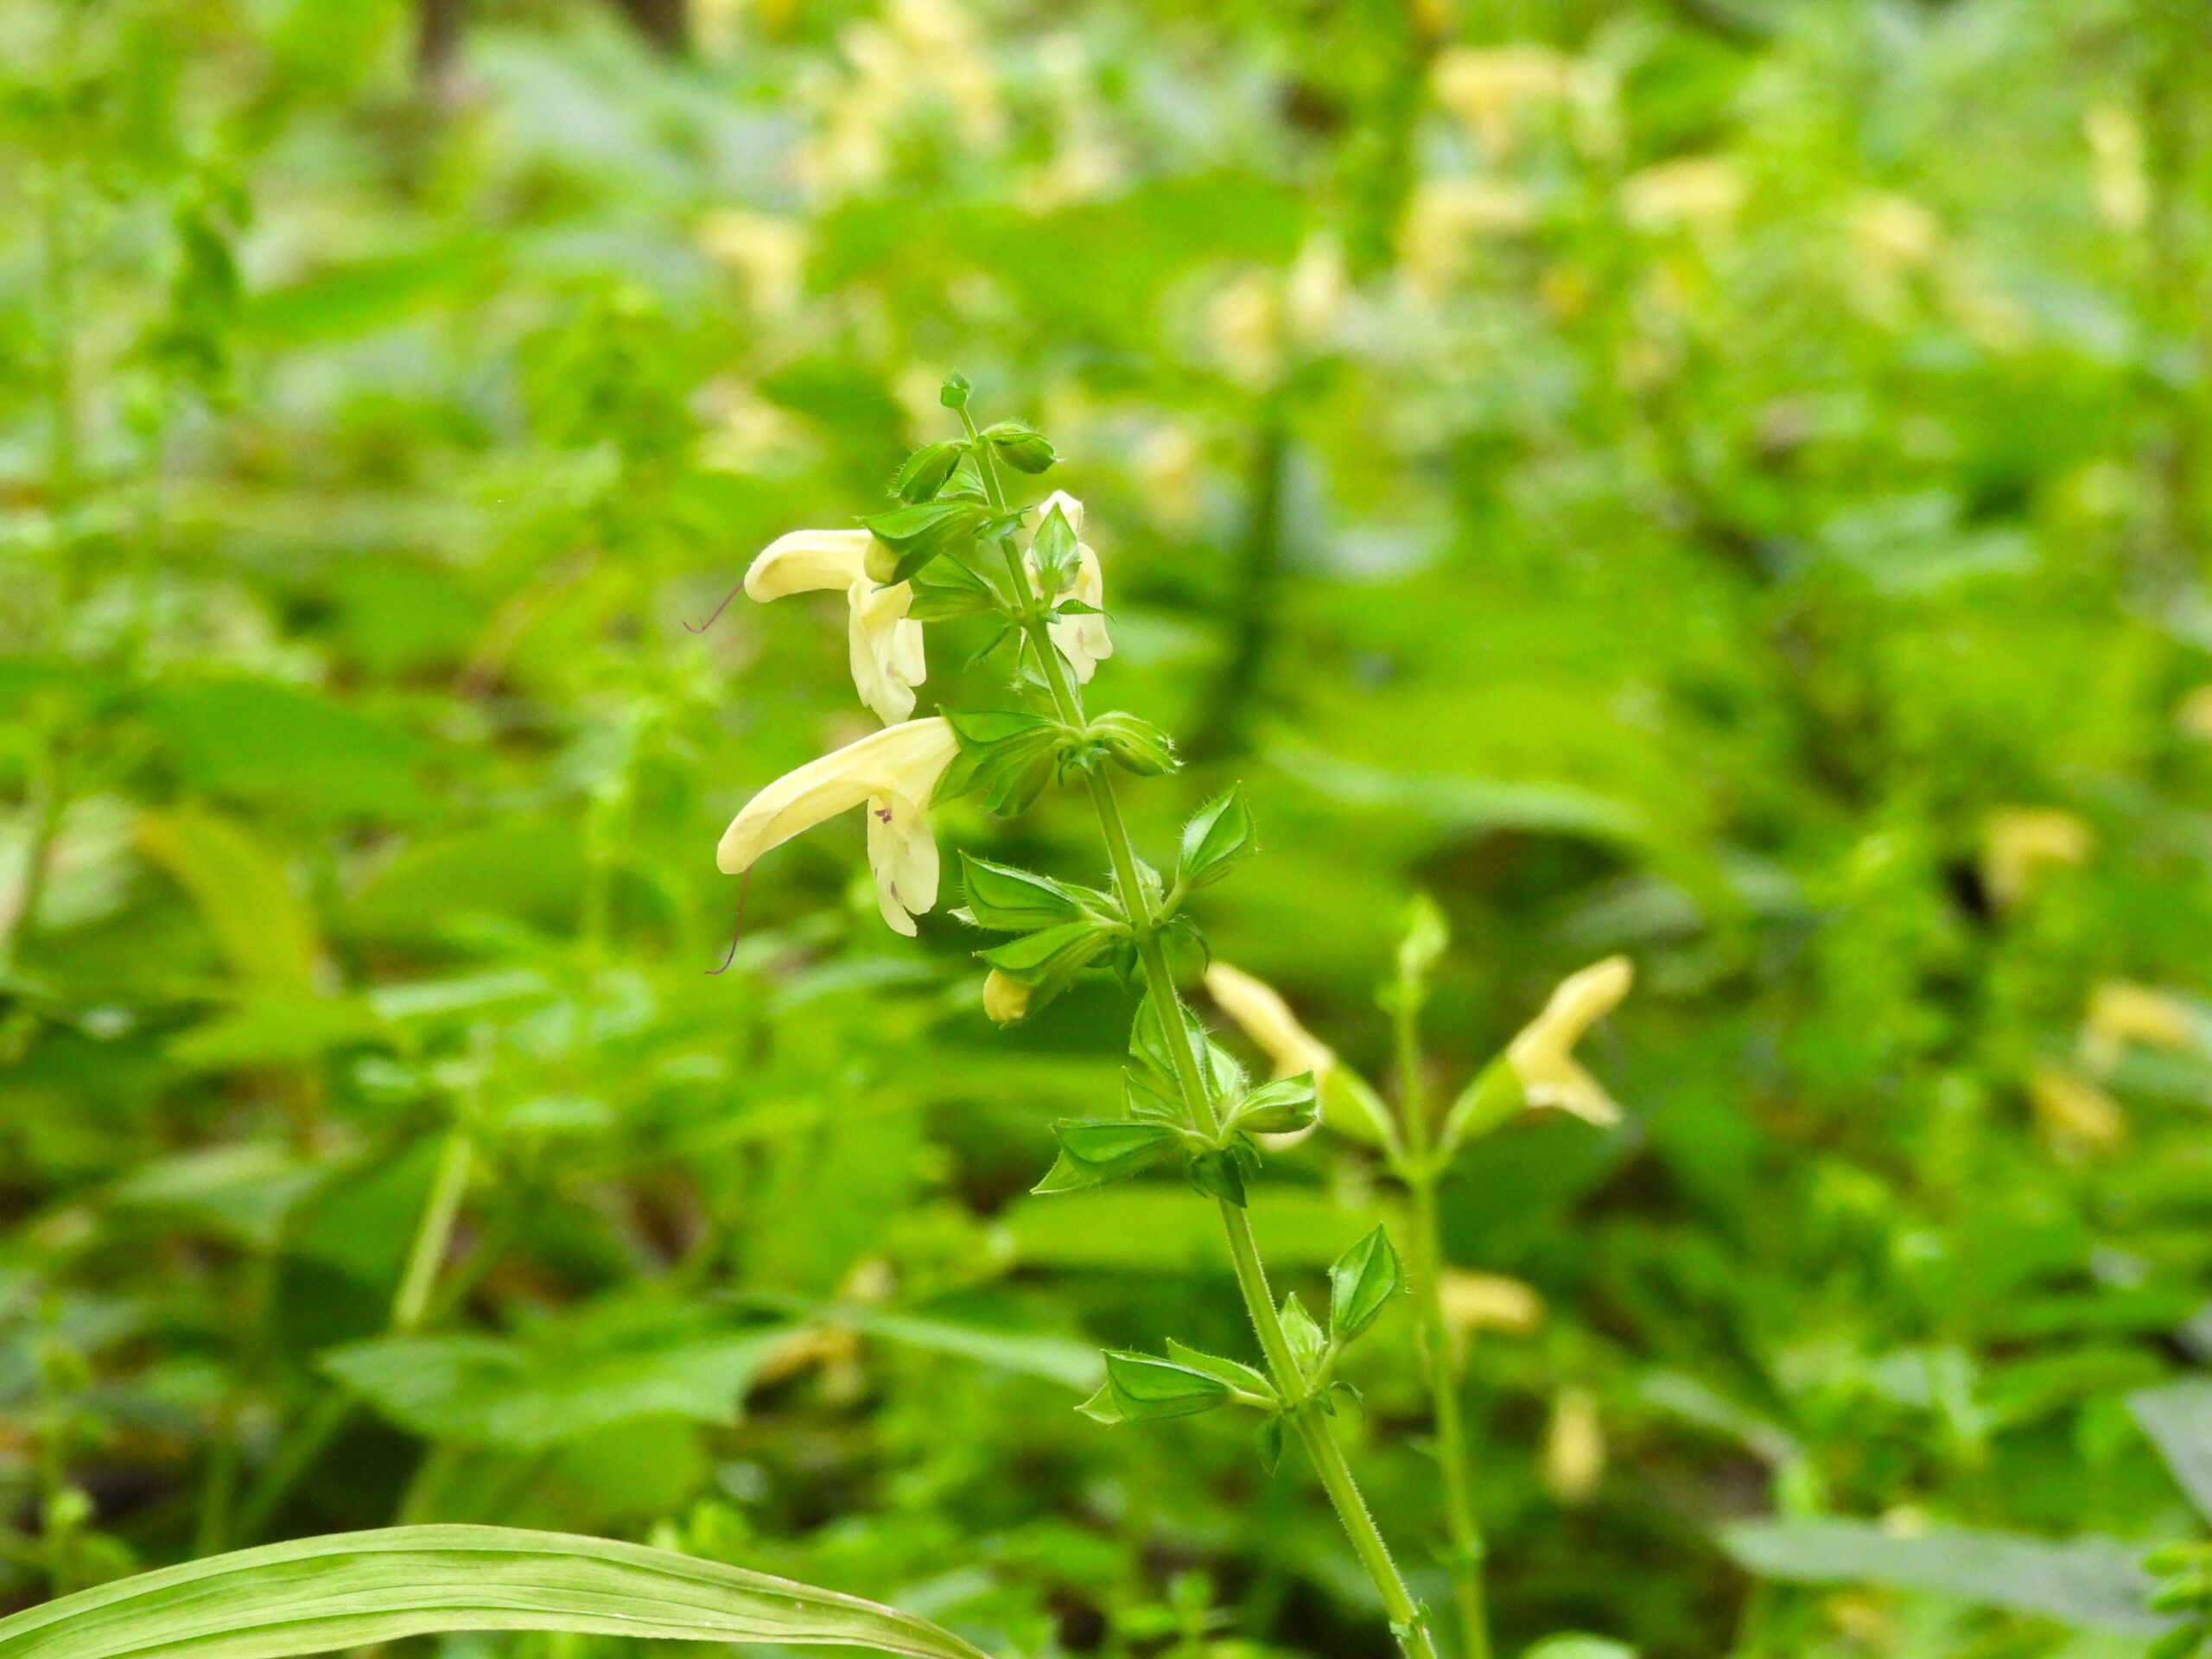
{"x": 1490, "y": 88}
{"x": 887, "y": 651}
{"x": 1081, "y": 639}
{"x": 1698, "y": 192}
{"x": 1006, "y": 1001}
{"x": 2019, "y": 843}
{"x": 1542, "y": 1056}
{"x": 1347, "y": 1103}
{"x": 768, "y": 254}
{"x": 893, "y": 772}
{"x": 2079, "y": 1119}
{"x": 2120, "y": 1014}
{"x": 2195, "y": 714}
{"x": 1488, "y": 1301}
{"x": 1575, "y": 1447}
{"x": 2118, "y": 179}
{"x": 1444, "y": 216}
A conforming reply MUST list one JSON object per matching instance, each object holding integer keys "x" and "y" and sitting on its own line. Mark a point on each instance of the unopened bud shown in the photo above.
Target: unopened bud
{"x": 1021, "y": 448}
{"x": 1006, "y": 1000}
{"x": 954, "y": 393}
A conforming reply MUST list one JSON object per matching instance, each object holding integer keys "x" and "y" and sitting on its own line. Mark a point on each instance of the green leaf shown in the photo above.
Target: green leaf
{"x": 1218, "y": 836}
{"x": 1006, "y": 756}
{"x": 1280, "y": 1108}
{"x": 1054, "y": 548}
{"x": 1228, "y": 1370}
{"x": 1022, "y": 448}
{"x": 1219, "y": 1174}
{"x": 1094, "y": 1153}
{"x": 1270, "y": 1443}
{"x": 240, "y": 888}
{"x": 357, "y": 1589}
{"x": 1308, "y": 1342}
{"x": 1053, "y": 953}
{"x": 921, "y": 532}
{"x": 1361, "y": 1284}
{"x": 2093, "y": 1583}
{"x": 1014, "y": 900}
{"x": 1146, "y": 1389}
{"x": 2178, "y": 1417}
{"x": 1148, "y": 1042}
{"x": 926, "y": 470}
{"x": 1101, "y": 1406}
{"x": 949, "y": 589}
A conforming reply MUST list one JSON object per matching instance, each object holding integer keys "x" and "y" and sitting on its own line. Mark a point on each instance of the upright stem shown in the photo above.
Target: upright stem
{"x": 1407, "y": 1621}
{"x": 1417, "y": 1170}
{"x": 434, "y": 1235}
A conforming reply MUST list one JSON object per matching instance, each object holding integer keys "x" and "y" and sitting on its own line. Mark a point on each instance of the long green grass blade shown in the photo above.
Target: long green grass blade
{"x": 313, "y": 1595}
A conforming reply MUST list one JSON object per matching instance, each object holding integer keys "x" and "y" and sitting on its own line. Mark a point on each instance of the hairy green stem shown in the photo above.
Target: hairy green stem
{"x": 1417, "y": 1169}
{"x": 1314, "y": 1432}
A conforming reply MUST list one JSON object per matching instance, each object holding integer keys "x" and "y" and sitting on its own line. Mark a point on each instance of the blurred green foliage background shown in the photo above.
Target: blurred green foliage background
{"x": 1724, "y": 483}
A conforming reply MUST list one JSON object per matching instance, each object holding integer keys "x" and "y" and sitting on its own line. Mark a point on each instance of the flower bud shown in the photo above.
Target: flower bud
{"x": 1006, "y": 1000}
{"x": 1024, "y": 449}
{"x": 881, "y": 563}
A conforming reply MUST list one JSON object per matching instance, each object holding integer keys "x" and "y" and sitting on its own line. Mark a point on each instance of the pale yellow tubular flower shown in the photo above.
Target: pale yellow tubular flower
{"x": 2019, "y": 843}
{"x": 2076, "y": 1117}
{"x": 1347, "y": 1105}
{"x": 885, "y": 647}
{"x": 1486, "y": 1301}
{"x": 1575, "y": 1447}
{"x": 1542, "y": 1056}
{"x": 1262, "y": 1015}
{"x": 1081, "y": 639}
{"x": 2121, "y": 1014}
{"x": 893, "y": 772}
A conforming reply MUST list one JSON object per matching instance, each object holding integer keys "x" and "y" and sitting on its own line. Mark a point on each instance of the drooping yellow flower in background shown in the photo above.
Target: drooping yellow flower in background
{"x": 1574, "y": 1446}
{"x": 893, "y": 772}
{"x": 1262, "y": 1015}
{"x": 1170, "y": 474}
{"x": 1445, "y": 218}
{"x": 2195, "y": 714}
{"x": 885, "y": 645}
{"x": 2121, "y": 1014}
{"x": 1486, "y": 1301}
{"x": 2118, "y": 178}
{"x": 768, "y": 254}
{"x": 2019, "y": 843}
{"x": 1081, "y": 639}
{"x": 1700, "y": 194}
{"x": 921, "y": 54}
{"x": 1347, "y": 1105}
{"x": 1542, "y": 1056}
{"x": 2077, "y": 1118}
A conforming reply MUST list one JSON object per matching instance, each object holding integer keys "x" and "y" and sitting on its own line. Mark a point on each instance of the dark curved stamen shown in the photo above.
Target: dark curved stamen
{"x": 719, "y": 609}
{"x": 737, "y": 927}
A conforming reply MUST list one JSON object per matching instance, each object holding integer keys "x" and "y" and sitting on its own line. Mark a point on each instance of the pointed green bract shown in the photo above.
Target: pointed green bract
{"x": 1361, "y": 1283}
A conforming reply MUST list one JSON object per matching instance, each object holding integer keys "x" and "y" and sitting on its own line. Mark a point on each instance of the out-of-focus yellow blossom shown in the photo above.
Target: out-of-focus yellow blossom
{"x": 1575, "y": 1447}
{"x": 893, "y": 772}
{"x": 1700, "y": 194}
{"x": 2118, "y": 179}
{"x": 1315, "y": 290}
{"x": 2077, "y": 1118}
{"x": 2121, "y": 1014}
{"x": 2019, "y": 843}
{"x": 1166, "y": 462}
{"x": 1445, "y": 218}
{"x": 1006, "y": 1001}
{"x": 768, "y": 254}
{"x": 1488, "y": 1301}
{"x": 1893, "y": 238}
{"x": 1991, "y": 317}
{"x": 1085, "y": 163}
{"x": 1493, "y": 90}
{"x": 1262, "y": 319}
{"x": 922, "y": 54}
{"x": 2195, "y": 714}
{"x": 744, "y": 432}
{"x": 1542, "y": 1056}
